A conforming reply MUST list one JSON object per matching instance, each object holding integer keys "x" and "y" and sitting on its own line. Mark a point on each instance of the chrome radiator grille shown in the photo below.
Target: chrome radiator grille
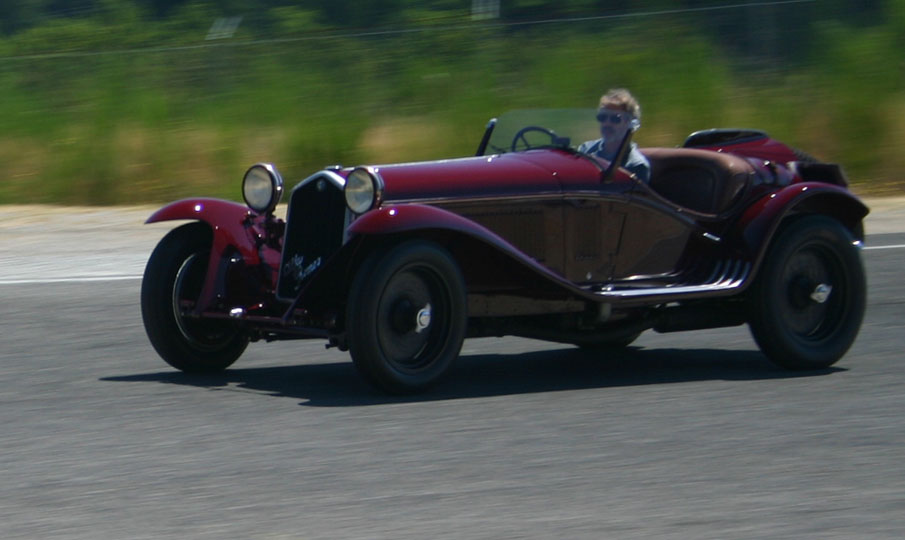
{"x": 315, "y": 226}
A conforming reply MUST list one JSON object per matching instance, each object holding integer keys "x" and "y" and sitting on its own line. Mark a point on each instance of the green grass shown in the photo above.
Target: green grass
{"x": 129, "y": 128}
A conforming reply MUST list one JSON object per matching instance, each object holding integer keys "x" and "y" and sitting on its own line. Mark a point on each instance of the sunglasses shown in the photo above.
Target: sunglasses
{"x": 615, "y": 118}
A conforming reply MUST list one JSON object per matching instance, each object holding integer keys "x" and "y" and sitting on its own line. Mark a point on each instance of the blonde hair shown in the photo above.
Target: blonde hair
{"x": 620, "y": 98}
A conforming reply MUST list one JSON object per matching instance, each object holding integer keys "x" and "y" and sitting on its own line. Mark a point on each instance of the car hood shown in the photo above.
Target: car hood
{"x": 535, "y": 172}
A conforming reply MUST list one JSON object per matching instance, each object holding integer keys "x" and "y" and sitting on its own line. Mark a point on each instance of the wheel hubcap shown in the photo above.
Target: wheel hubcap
{"x": 821, "y": 293}
{"x": 815, "y": 292}
{"x": 412, "y": 318}
{"x": 423, "y": 320}
{"x": 405, "y": 317}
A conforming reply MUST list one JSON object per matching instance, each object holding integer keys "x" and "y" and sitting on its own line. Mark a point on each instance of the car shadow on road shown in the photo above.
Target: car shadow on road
{"x": 488, "y": 375}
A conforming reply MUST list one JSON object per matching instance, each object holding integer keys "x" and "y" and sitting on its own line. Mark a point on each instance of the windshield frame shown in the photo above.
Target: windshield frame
{"x": 571, "y": 127}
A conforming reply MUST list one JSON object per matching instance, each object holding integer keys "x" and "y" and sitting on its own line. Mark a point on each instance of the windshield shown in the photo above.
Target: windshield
{"x": 536, "y": 128}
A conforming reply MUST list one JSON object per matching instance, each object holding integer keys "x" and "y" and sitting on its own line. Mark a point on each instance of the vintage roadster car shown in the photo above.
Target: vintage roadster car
{"x": 399, "y": 263}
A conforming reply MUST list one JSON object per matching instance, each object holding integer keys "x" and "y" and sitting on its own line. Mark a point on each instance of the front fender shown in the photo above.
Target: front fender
{"x": 468, "y": 241}
{"x": 211, "y": 211}
{"x": 231, "y": 229}
{"x": 762, "y": 220}
{"x": 411, "y": 217}
{"x": 227, "y": 219}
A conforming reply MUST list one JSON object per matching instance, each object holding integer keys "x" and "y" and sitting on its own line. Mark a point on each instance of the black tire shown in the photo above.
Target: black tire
{"x": 175, "y": 272}
{"x": 809, "y": 299}
{"x": 406, "y": 317}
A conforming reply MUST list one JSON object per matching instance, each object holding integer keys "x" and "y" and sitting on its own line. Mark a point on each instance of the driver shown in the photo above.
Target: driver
{"x": 618, "y": 112}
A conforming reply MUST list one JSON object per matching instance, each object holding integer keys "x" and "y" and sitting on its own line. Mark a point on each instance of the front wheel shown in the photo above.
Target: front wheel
{"x": 809, "y": 299}
{"x": 406, "y": 317}
{"x": 172, "y": 282}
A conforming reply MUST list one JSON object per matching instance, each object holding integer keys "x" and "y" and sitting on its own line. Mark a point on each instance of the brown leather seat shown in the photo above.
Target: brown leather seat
{"x": 701, "y": 180}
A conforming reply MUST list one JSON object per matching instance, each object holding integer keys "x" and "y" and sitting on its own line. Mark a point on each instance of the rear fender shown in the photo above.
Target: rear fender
{"x": 231, "y": 232}
{"x": 761, "y": 221}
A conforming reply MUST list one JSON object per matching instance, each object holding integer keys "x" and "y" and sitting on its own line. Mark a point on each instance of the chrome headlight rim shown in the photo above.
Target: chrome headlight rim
{"x": 262, "y": 187}
{"x": 363, "y": 189}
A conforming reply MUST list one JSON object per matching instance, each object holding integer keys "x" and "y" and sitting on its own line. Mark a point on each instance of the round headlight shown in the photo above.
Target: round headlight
{"x": 363, "y": 189}
{"x": 262, "y": 188}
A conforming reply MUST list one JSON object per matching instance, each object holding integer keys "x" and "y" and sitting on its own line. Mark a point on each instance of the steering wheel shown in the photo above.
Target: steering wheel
{"x": 528, "y": 129}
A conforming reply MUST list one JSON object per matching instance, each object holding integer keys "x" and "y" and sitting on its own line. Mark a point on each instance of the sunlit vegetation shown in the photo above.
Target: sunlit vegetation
{"x": 123, "y": 107}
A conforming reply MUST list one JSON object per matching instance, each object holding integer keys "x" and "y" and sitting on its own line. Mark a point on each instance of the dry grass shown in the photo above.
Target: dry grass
{"x": 23, "y": 161}
{"x": 404, "y": 139}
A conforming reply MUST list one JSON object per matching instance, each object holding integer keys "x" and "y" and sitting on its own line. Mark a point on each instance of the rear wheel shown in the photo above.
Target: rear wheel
{"x": 406, "y": 317}
{"x": 172, "y": 282}
{"x": 809, "y": 300}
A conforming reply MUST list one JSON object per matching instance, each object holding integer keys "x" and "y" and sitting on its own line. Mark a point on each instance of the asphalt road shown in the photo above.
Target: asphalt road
{"x": 691, "y": 435}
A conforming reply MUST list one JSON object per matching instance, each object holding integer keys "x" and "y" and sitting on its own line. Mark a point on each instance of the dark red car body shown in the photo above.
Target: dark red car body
{"x": 549, "y": 243}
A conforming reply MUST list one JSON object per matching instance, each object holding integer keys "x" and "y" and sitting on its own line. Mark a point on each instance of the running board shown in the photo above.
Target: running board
{"x": 725, "y": 277}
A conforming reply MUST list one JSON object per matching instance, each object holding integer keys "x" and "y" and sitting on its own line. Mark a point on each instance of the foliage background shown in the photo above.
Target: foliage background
{"x": 129, "y": 101}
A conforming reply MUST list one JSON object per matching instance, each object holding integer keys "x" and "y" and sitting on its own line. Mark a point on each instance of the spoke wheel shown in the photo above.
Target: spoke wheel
{"x": 809, "y": 300}
{"x": 172, "y": 281}
{"x": 406, "y": 317}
